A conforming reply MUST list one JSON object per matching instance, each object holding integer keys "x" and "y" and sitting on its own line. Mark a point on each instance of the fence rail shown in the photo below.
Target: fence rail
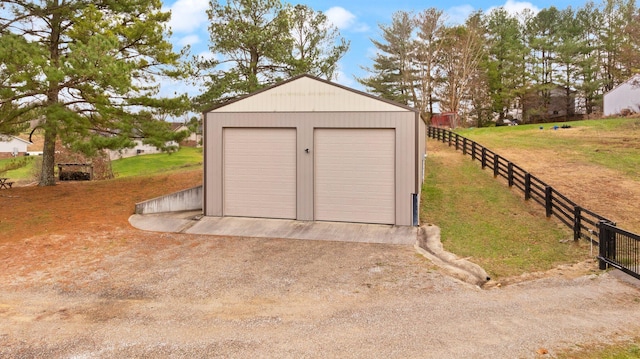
{"x": 584, "y": 223}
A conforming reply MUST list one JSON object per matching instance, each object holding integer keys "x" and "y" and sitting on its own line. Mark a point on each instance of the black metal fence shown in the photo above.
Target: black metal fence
{"x": 619, "y": 249}
{"x": 584, "y": 223}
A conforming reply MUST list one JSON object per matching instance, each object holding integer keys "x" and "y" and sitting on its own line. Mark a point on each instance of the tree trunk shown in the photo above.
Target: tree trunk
{"x": 47, "y": 177}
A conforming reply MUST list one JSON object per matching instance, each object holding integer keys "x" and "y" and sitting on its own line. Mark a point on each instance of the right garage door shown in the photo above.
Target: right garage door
{"x": 354, "y": 173}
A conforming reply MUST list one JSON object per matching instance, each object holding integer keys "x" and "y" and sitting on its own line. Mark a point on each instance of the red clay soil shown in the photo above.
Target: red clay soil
{"x": 74, "y": 219}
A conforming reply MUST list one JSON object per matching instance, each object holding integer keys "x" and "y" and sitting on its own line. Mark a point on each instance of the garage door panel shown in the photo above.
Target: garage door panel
{"x": 260, "y": 172}
{"x": 355, "y": 175}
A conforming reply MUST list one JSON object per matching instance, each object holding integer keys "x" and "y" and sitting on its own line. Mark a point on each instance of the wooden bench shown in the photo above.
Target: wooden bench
{"x": 4, "y": 184}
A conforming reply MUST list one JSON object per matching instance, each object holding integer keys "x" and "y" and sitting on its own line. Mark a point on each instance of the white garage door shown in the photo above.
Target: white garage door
{"x": 260, "y": 172}
{"x": 355, "y": 175}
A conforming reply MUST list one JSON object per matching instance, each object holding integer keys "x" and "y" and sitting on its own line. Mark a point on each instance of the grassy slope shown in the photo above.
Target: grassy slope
{"x": 481, "y": 219}
{"x": 18, "y": 173}
{"x": 611, "y": 143}
{"x": 186, "y": 157}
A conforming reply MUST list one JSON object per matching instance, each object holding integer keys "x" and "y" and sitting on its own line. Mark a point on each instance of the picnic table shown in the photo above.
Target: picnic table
{"x": 4, "y": 183}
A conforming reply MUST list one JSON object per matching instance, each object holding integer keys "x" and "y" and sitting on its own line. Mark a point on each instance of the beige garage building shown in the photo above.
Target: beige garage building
{"x": 311, "y": 150}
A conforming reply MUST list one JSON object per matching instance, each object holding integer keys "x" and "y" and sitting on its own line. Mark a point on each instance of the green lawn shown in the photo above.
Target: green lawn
{"x": 25, "y": 171}
{"x": 186, "y": 157}
{"x": 480, "y": 218}
{"x": 616, "y": 351}
{"x": 611, "y": 143}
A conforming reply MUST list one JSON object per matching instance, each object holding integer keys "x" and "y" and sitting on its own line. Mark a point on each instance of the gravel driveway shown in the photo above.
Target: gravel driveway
{"x": 188, "y": 296}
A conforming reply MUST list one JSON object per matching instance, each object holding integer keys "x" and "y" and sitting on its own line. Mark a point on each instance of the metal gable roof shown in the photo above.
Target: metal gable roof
{"x": 306, "y": 93}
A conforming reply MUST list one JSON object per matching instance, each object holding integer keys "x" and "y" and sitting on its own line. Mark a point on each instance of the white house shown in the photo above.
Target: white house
{"x": 625, "y": 98}
{"x": 138, "y": 149}
{"x": 194, "y": 139}
{"x": 11, "y": 146}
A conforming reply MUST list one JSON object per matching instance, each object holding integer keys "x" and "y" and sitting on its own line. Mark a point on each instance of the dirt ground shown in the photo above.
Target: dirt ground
{"x": 77, "y": 281}
{"x": 601, "y": 190}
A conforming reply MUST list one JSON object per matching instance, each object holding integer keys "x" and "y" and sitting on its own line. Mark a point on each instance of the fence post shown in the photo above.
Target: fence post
{"x": 548, "y": 200}
{"x": 449, "y": 139}
{"x": 457, "y": 140}
{"x": 602, "y": 245}
{"x": 577, "y": 222}
{"x": 484, "y": 157}
{"x": 510, "y": 173}
{"x": 527, "y": 186}
{"x": 496, "y": 159}
{"x": 444, "y": 136}
{"x": 464, "y": 145}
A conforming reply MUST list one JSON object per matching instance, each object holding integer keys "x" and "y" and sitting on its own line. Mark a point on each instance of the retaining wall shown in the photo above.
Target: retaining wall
{"x": 186, "y": 200}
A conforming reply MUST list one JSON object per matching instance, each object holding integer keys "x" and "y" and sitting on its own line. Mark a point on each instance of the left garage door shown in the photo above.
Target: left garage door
{"x": 259, "y": 172}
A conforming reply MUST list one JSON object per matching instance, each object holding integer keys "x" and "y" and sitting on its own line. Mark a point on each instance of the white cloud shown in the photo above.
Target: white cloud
{"x": 188, "y": 15}
{"x": 458, "y": 14}
{"x": 189, "y": 40}
{"x": 340, "y": 17}
{"x": 517, "y": 7}
{"x": 343, "y": 19}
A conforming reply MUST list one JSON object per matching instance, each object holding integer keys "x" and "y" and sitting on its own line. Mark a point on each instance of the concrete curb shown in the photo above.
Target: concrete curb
{"x": 430, "y": 246}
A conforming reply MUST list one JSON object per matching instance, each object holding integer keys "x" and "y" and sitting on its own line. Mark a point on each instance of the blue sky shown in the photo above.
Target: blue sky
{"x": 357, "y": 20}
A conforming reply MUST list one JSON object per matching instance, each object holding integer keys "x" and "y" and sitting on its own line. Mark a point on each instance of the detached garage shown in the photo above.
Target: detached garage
{"x": 311, "y": 150}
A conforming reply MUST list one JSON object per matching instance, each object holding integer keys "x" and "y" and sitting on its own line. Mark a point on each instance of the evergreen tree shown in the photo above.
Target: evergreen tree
{"x": 569, "y": 51}
{"x": 616, "y": 15}
{"x": 543, "y": 40}
{"x": 431, "y": 27}
{"x": 317, "y": 46}
{"x": 393, "y": 74}
{"x": 261, "y": 42}
{"x": 589, "y": 82}
{"x": 87, "y": 72}
{"x": 505, "y": 63}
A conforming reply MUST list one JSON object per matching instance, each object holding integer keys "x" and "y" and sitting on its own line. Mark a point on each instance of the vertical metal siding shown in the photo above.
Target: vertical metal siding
{"x": 305, "y": 123}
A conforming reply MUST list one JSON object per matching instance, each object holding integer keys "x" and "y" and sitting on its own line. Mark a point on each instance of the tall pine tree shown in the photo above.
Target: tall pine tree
{"x": 393, "y": 74}
{"x": 87, "y": 72}
{"x": 260, "y": 42}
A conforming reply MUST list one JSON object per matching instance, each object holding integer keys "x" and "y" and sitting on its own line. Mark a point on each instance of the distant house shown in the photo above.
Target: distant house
{"x": 11, "y": 146}
{"x": 537, "y": 108}
{"x": 137, "y": 150}
{"x": 193, "y": 140}
{"x": 445, "y": 120}
{"x": 623, "y": 99}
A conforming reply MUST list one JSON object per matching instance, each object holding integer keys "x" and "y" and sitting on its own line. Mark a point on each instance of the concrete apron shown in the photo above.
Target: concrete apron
{"x": 194, "y": 223}
{"x": 425, "y": 239}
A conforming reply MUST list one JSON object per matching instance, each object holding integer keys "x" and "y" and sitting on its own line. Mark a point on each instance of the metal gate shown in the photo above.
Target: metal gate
{"x": 619, "y": 249}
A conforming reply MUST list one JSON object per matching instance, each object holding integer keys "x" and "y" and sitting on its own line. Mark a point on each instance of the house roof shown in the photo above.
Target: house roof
{"x": 634, "y": 78}
{"x": 288, "y": 84}
{"x": 7, "y": 138}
